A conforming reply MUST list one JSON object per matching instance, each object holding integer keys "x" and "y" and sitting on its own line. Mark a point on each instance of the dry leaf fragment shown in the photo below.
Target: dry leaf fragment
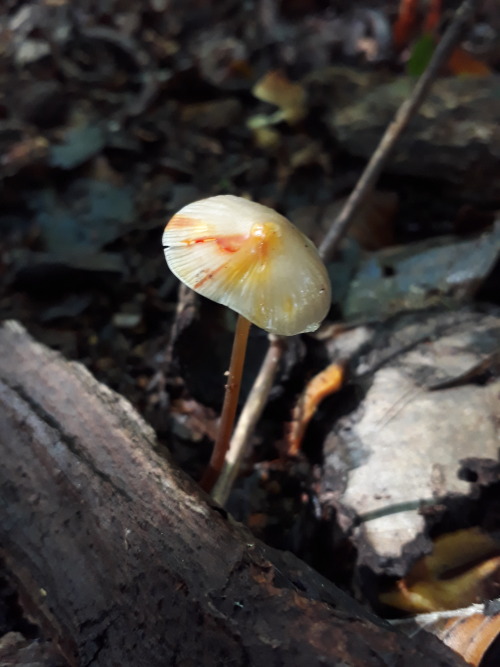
{"x": 275, "y": 88}
{"x": 323, "y": 384}
{"x": 486, "y": 368}
{"x": 405, "y": 24}
{"x": 266, "y": 138}
{"x": 471, "y": 637}
{"x": 469, "y": 632}
{"x": 452, "y": 576}
{"x": 461, "y": 62}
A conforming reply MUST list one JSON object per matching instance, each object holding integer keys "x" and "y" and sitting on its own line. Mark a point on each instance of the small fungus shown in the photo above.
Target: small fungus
{"x": 250, "y": 258}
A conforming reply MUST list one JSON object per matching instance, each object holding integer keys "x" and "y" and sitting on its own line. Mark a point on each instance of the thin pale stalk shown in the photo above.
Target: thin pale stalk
{"x": 230, "y": 404}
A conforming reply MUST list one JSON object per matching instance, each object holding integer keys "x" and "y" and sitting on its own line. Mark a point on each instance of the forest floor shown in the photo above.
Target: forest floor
{"x": 115, "y": 114}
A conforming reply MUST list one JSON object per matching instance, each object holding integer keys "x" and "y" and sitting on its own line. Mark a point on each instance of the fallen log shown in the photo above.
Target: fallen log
{"x": 124, "y": 561}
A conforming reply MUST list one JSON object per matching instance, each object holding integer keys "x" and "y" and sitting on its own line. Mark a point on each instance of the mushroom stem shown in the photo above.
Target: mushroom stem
{"x": 230, "y": 404}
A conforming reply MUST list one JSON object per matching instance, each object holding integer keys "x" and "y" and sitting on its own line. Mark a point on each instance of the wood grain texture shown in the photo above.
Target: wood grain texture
{"x": 124, "y": 560}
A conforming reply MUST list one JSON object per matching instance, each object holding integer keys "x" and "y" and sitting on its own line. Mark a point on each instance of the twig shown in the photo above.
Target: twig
{"x": 403, "y": 116}
{"x": 422, "y": 620}
{"x": 250, "y": 414}
{"x": 258, "y": 396}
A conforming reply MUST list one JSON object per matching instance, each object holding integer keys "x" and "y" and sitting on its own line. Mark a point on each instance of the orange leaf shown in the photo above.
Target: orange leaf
{"x": 405, "y": 24}
{"x": 469, "y": 632}
{"x": 462, "y": 62}
{"x": 471, "y": 636}
{"x": 321, "y": 385}
{"x": 433, "y": 16}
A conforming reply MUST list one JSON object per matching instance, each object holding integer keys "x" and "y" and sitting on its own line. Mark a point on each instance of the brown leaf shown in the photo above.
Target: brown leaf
{"x": 469, "y": 631}
{"x": 404, "y": 27}
{"x": 462, "y": 62}
{"x": 471, "y": 637}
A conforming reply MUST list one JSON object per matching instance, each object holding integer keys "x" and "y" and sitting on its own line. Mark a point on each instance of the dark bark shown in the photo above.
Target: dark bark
{"x": 124, "y": 561}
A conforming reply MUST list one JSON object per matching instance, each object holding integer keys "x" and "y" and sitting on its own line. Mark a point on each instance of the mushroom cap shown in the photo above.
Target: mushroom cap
{"x": 251, "y": 259}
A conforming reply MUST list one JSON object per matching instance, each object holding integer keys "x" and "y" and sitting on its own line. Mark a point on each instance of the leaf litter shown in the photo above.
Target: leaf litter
{"x": 122, "y": 116}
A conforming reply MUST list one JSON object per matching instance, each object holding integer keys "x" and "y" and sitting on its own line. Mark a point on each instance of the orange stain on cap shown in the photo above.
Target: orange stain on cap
{"x": 226, "y": 243}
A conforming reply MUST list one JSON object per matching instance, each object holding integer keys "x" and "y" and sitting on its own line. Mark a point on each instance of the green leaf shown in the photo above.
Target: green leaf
{"x": 421, "y": 54}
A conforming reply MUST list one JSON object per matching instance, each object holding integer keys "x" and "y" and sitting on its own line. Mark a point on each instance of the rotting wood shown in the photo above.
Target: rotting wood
{"x": 124, "y": 560}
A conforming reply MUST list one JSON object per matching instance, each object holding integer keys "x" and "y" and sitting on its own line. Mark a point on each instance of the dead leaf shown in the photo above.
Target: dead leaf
{"x": 405, "y": 24}
{"x": 322, "y": 385}
{"x": 452, "y": 576}
{"x": 373, "y": 224}
{"x": 197, "y": 420}
{"x": 421, "y": 275}
{"x": 461, "y": 112}
{"x": 402, "y": 446}
{"x": 275, "y": 88}
{"x": 266, "y": 138}
{"x": 471, "y": 637}
{"x": 470, "y": 632}
{"x": 28, "y": 151}
{"x": 461, "y": 62}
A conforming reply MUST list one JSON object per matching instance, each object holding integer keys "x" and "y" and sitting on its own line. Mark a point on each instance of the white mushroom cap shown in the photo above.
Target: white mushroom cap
{"x": 251, "y": 259}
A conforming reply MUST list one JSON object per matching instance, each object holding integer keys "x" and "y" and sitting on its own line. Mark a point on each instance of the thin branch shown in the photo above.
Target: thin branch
{"x": 403, "y": 116}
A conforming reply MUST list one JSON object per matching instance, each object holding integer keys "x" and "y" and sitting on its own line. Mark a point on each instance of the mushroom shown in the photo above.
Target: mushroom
{"x": 253, "y": 260}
